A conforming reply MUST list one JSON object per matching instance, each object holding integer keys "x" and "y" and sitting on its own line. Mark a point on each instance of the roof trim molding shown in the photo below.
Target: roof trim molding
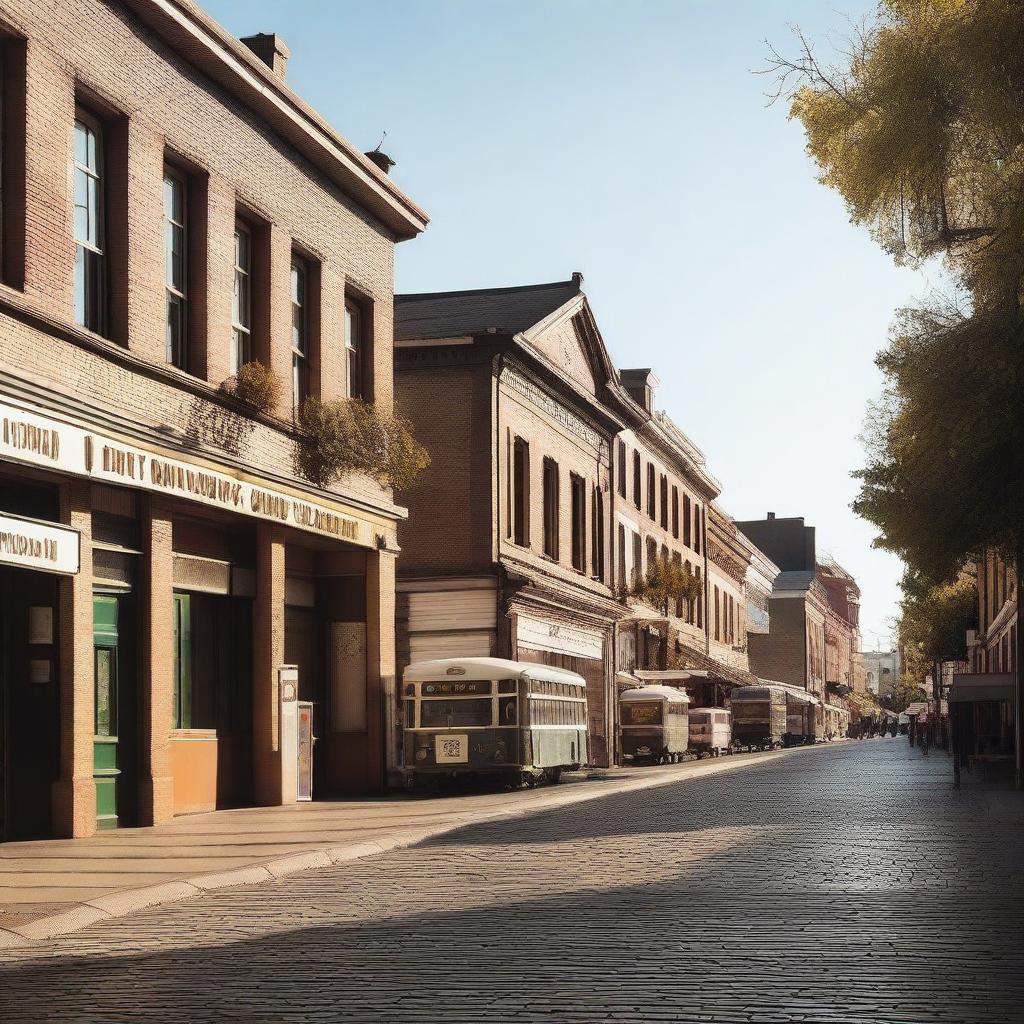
{"x": 214, "y": 51}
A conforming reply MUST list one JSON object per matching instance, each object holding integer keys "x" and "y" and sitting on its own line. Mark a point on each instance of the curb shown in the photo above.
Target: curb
{"x": 129, "y": 901}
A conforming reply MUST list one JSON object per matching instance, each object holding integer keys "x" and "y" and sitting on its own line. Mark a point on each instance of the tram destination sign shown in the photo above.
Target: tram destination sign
{"x": 27, "y": 436}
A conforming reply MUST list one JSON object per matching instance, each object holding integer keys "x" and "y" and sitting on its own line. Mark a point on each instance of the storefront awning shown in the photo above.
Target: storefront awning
{"x": 969, "y": 687}
{"x": 837, "y": 709}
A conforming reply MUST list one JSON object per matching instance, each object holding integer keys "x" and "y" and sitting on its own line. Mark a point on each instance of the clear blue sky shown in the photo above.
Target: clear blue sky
{"x": 630, "y": 141}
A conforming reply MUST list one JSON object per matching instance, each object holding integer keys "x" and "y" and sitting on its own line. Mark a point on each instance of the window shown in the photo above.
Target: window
{"x": 578, "y": 497}
{"x": 551, "y": 509}
{"x": 686, "y": 520}
{"x": 597, "y": 534}
{"x": 354, "y": 351}
{"x": 718, "y": 633}
{"x": 637, "y": 481}
{"x": 652, "y": 495}
{"x": 622, "y": 468}
{"x": 175, "y": 269}
{"x": 241, "y": 303}
{"x": 652, "y": 551}
{"x": 696, "y": 529}
{"x": 182, "y": 633}
{"x": 700, "y": 599}
{"x": 623, "y": 582}
{"x": 90, "y": 270}
{"x": 677, "y": 559}
{"x": 664, "y": 502}
{"x": 638, "y": 557}
{"x": 675, "y": 511}
{"x": 691, "y": 606}
{"x": 521, "y": 492}
{"x": 300, "y": 332}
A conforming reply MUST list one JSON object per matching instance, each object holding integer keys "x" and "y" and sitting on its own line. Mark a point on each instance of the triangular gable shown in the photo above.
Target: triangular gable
{"x": 568, "y": 341}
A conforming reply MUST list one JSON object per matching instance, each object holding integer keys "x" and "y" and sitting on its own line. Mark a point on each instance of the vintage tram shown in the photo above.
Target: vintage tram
{"x": 710, "y": 731}
{"x": 489, "y": 716}
{"x": 654, "y": 725}
{"x": 758, "y": 717}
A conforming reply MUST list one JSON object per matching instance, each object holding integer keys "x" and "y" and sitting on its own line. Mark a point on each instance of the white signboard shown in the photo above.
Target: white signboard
{"x": 40, "y": 441}
{"x": 544, "y": 635}
{"x": 32, "y": 544}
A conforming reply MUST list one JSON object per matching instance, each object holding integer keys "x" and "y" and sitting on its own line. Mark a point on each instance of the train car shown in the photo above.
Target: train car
{"x": 654, "y": 724}
{"x": 759, "y": 717}
{"x": 489, "y": 716}
{"x": 710, "y": 731}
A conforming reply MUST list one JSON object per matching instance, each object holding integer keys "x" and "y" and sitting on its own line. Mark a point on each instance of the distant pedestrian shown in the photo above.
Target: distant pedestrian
{"x": 925, "y": 732}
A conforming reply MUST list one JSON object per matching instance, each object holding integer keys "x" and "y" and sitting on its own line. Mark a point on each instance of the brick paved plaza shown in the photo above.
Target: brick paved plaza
{"x": 844, "y": 883}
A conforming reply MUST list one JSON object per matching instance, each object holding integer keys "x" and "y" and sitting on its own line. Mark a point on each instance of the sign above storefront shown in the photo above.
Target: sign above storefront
{"x": 33, "y": 544}
{"x": 28, "y": 437}
{"x": 559, "y": 637}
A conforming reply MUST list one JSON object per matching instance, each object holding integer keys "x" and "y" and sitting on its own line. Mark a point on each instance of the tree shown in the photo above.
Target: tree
{"x": 666, "y": 581}
{"x": 933, "y": 624}
{"x": 904, "y": 692}
{"x": 922, "y": 133}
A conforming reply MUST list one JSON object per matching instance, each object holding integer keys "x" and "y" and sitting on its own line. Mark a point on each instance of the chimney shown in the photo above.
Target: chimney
{"x": 381, "y": 159}
{"x": 771, "y": 515}
{"x": 270, "y": 49}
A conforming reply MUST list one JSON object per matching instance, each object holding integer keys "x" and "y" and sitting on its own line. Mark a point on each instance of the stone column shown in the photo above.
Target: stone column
{"x": 156, "y": 690}
{"x": 74, "y": 791}
{"x": 381, "y": 694}
{"x": 268, "y": 655}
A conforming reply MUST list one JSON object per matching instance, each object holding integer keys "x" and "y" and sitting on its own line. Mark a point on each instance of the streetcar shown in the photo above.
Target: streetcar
{"x": 654, "y": 725}
{"x": 710, "y": 731}
{"x": 488, "y": 716}
{"x": 758, "y": 716}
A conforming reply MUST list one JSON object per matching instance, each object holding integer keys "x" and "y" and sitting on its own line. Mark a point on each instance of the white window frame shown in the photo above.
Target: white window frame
{"x": 97, "y": 173}
{"x": 241, "y": 319}
{"x": 172, "y": 292}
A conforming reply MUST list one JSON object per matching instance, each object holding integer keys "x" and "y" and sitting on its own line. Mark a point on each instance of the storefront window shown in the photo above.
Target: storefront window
{"x": 106, "y": 691}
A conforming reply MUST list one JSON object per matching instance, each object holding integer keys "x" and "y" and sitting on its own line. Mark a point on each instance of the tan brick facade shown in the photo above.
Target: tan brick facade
{"x": 220, "y": 561}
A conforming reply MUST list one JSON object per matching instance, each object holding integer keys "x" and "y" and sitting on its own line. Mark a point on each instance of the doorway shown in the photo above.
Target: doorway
{"x": 115, "y": 739}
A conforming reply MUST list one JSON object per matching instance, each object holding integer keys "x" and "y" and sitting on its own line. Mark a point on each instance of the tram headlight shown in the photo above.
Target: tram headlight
{"x": 421, "y": 754}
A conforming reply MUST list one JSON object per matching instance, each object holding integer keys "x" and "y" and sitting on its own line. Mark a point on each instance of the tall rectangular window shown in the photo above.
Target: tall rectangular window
{"x": 241, "y": 302}
{"x": 578, "y": 497}
{"x": 686, "y": 519}
{"x": 638, "y": 559}
{"x": 621, "y": 467}
{"x": 664, "y": 502}
{"x": 597, "y": 534}
{"x": 718, "y": 632}
{"x": 300, "y": 332}
{"x": 521, "y": 492}
{"x": 700, "y": 598}
{"x": 621, "y": 537}
{"x": 675, "y": 511}
{"x": 175, "y": 269}
{"x": 696, "y": 529}
{"x": 652, "y": 495}
{"x": 551, "y": 509}
{"x": 354, "y": 349}
{"x": 90, "y": 265}
{"x": 637, "y": 481}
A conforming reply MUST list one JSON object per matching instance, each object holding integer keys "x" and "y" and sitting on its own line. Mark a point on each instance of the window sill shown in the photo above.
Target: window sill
{"x": 193, "y": 734}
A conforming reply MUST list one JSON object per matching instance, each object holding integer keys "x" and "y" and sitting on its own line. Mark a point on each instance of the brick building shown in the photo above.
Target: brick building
{"x": 793, "y": 651}
{"x": 664, "y": 508}
{"x": 172, "y": 209}
{"x": 508, "y": 547}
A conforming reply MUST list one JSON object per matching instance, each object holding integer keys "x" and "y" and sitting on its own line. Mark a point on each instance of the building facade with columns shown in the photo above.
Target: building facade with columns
{"x": 161, "y": 559}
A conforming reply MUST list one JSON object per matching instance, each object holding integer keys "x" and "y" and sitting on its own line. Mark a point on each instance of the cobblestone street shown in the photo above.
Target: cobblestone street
{"x": 844, "y": 883}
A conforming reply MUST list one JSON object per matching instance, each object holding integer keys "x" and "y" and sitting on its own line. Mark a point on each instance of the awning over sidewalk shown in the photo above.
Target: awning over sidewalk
{"x": 837, "y": 709}
{"x": 979, "y": 686}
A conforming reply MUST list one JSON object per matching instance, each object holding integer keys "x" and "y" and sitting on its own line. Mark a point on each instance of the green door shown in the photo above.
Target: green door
{"x": 106, "y": 761}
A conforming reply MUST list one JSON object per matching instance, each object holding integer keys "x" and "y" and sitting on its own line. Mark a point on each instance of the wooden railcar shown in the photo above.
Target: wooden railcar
{"x": 710, "y": 731}
{"x": 654, "y": 724}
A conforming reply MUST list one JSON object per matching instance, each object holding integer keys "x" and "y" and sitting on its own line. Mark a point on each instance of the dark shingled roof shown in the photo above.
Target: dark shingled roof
{"x": 794, "y": 580}
{"x": 460, "y": 314}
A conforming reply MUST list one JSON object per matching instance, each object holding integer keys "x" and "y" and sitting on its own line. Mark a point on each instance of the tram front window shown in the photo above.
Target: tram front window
{"x": 448, "y": 714}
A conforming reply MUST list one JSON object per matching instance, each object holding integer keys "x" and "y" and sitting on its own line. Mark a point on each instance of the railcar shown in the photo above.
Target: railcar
{"x": 489, "y": 716}
{"x": 654, "y": 724}
{"x": 759, "y": 717}
{"x": 710, "y": 731}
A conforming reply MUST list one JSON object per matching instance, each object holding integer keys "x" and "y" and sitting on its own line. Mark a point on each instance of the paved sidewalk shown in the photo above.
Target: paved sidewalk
{"x": 54, "y": 887}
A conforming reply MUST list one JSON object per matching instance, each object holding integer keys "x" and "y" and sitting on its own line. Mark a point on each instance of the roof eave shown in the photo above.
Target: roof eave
{"x": 230, "y": 63}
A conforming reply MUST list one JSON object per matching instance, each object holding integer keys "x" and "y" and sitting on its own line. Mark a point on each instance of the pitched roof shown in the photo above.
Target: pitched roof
{"x": 794, "y": 580}
{"x": 463, "y": 313}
